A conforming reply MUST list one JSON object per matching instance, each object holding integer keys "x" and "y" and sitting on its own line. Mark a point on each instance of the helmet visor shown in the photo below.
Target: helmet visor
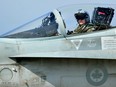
{"x": 80, "y": 16}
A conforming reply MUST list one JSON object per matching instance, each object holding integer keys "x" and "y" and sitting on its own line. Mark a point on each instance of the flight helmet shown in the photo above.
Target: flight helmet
{"x": 82, "y": 15}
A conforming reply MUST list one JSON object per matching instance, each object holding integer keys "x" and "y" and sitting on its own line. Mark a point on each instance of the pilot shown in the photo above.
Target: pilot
{"x": 83, "y": 20}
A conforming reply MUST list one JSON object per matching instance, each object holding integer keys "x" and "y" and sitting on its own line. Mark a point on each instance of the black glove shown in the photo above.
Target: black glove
{"x": 69, "y": 32}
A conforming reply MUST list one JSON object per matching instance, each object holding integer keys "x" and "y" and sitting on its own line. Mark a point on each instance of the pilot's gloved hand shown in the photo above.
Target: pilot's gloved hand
{"x": 69, "y": 32}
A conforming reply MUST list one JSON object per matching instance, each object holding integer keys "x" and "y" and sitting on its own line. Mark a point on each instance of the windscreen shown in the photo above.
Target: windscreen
{"x": 44, "y": 26}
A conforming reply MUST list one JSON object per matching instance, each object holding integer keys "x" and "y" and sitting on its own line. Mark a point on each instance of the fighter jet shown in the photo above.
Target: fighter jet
{"x": 46, "y": 52}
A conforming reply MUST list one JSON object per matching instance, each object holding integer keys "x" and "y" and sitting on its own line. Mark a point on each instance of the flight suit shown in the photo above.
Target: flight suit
{"x": 90, "y": 28}
{"x": 85, "y": 28}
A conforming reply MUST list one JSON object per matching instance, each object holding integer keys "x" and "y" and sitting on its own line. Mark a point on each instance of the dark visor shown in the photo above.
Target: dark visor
{"x": 79, "y": 16}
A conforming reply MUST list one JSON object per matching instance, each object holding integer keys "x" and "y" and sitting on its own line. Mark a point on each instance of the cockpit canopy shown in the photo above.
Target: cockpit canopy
{"x": 60, "y": 21}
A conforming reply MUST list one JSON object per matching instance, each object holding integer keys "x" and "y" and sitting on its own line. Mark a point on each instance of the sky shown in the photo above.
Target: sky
{"x": 14, "y": 13}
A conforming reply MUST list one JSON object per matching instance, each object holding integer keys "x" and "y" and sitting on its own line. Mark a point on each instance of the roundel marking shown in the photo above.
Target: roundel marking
{"x": 96, "y": 75}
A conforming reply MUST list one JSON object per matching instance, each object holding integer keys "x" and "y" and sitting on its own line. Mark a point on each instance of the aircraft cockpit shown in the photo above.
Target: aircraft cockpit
{"x": 62, "y": 21}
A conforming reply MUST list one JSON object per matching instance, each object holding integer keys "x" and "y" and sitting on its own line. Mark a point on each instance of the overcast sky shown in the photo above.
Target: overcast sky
{"x": 14, "y": 13}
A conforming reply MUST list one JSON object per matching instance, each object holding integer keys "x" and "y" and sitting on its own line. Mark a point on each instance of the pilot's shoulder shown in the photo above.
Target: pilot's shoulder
{"x": 90, "y": 24}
